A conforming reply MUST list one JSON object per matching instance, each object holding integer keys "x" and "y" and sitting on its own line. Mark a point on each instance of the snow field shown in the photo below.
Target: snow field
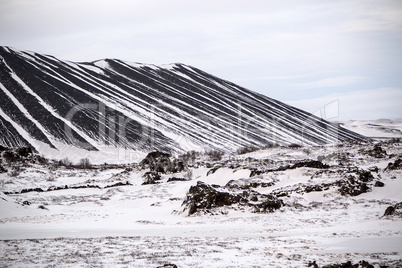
{"x": 143, "y": 225}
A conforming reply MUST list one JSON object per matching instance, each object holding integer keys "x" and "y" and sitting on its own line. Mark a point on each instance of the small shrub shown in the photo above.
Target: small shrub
{"x": 24, "y": 151}
{"x": 214, "y": 155}
{"x": 247, "y": 149}
{"x": 2, "y": 148}
{"x": 158, "y": 162}
{"x": 189, "y": 174}
{"x": 151, "y": 177}
{"x": 8, "y": 156}
{"x": 65, "y": 162}
{"x": 294, "y": 146}
{"x": 51, "y": 176}
{"x": 189, "y": 157}
{"x": 394, "y": 140}
{"x": 84, "y": 163}
{"x": 39, "y": 159}
{"x": 14, "y": 172}
{"x": 270, "y": 146}
{"x": 2, "y": 169}
{"x": 395, "y": 165}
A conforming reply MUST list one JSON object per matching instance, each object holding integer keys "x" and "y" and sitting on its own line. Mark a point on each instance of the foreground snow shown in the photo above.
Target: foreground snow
{"x": 135, "y": 225}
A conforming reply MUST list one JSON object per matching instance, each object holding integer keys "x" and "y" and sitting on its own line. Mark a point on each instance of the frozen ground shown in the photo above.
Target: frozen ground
{"x": 94, "y": 222}
{"x": 381, "y": 128}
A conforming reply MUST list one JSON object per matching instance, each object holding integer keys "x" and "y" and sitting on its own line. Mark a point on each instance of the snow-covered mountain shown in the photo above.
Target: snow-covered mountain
{"x": 376, "y": 129}
{"x": 53, "y": 104}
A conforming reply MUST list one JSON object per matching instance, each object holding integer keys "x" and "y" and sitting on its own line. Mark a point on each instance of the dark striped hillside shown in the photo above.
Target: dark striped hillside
{"x": 113, "y": 103}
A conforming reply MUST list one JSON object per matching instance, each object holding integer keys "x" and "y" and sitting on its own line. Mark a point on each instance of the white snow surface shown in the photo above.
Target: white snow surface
{"x": 139, "y": 225}
{"x": 381, "y": 128}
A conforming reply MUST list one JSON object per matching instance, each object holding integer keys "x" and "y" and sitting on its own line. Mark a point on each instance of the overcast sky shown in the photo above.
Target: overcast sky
{"x": 305, "y": 53}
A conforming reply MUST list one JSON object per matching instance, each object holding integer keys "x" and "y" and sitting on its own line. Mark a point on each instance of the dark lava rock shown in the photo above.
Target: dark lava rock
{"x": 2, "y": 169}
{"x": 23, "y": 151}
{"x": 306, "y": 163}
{"x": 349, "y": 264}
{"x": 169, "y": 265}
{"x": 245, "y": 184}
{"x": 203, "y": 197}
{"x": 389, "y": 211}
{"x": 354, "y": 181}
{"x": 377, "y": 152}
{"x": 396, "y": 165}
{"x": 364, "y": 175}
{"x": 156, "y": 161}
{"x": 313, "y": 188}
{"x": 42, "y": 207}
{"x": 26, "y": 203}
{"x": 353, "y": 187}
{"x": 351, "y": 181}
{"x": 151, "y": 177}
{"x": 117, "y": 184}
{"x": 17, "y": 154}
{"x": 393, "y": 210}
{"x": 374, "y": 169}
{"x": 311, "y": 164}
{"x": 213, "y": 170}
{"x": 356, "y": 184}
{"x": 85, "y": 186}
{"x": 379, "y": 184}
{"x": 39, "y": 190}
{"x": 176, "y": 179}
{"x": 160, "y": 162}
{"x": 206, "y": 196}
{"x": 54, "y": 188}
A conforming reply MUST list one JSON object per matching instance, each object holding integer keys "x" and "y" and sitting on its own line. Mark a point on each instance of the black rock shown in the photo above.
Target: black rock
{"x": 355, "y": 183}
{"x": 377, "y": 152}
{"x": 156, "y": 161}
{"x": 396, "y": 165}
{"x": 160, "y": 162}
{"x": 24, "y": 151}
{"x": 168, "y": 266}
{"x": 176, "y": 179}
{"x": 204, "y": 197}
{"x": 311, "y": 164}
{"x": 374, "y": 169}
{"x": 151, "y": 177}
{"x": 245, "y": 184}
{"x": 118, "y": 184}
{"x": 349, "y": 264}
{"x": 379, "y": 184}
{"x": 2, "y": 169}
{"x": 389, "y": 211}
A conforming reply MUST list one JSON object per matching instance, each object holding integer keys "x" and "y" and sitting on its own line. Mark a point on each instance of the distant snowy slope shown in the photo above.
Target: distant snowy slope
{"x": 45, "y": 102}
{"x": 381, "y": 128}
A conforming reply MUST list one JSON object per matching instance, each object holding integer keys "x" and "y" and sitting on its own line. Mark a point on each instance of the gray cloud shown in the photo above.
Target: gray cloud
{"x": 364, "y": 105}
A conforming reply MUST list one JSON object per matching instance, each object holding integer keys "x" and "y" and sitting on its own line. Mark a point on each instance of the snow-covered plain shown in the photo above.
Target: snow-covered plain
{"x": 135, "y": 225}
{"x": 380, "y": 128}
